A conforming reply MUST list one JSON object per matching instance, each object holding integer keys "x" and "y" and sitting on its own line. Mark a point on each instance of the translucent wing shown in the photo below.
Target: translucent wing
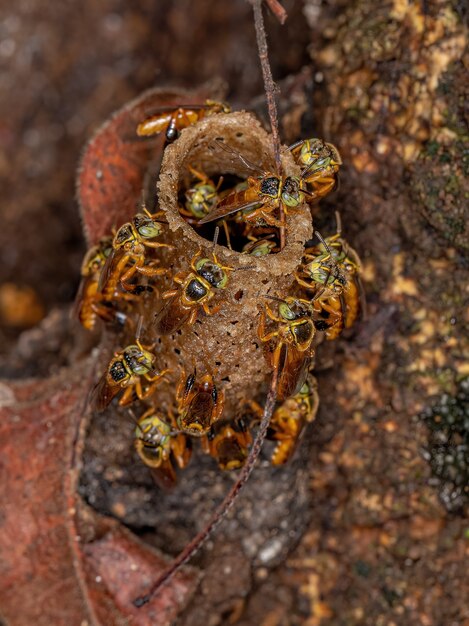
{"x": 171, "y": 317}
{"x": 223, "y": 211}
{"x": 102, "y": 394}
{"x": 217, "y": 143}
{"x": 109, "y": 268}
{"x": 293, "y": 370}
{"x": 150, "y": 112}
{"x": 77, "y": 303}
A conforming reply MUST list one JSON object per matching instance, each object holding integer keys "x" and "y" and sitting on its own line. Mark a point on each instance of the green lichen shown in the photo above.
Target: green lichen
{"x": 448, "y": 446}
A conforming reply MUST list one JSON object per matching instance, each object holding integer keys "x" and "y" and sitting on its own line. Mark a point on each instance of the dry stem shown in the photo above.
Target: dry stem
{"x": 269, "y": 85}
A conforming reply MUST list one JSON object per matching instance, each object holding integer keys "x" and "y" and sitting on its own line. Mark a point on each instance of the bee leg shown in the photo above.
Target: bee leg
{"x": 286, "y": 431}
{"x": 127, "y": 396}
{"x": 179, "y": 278}
{"x": 154, "y": 379}
{"x": 323, "y": 186}
{"x": 205, "y": 442}
{"x": 193, "y": 317}
{"x": 156, "y": 215}
{"x": 150, "y": 271}
{"x": 207, "y": 310}
{"x": 283, "y": 452}
{"x": 126, "y": 276}
{"x": 223, "y": 267}
{"x": 256, "y": 409}
{"x": 169, "y": 294}
{"x": 272, "y": 315}
{"x": 261, "y": 326}
{"x": 335, "y": 319}
{"x": 143, "y": 394}
{"x": 268, "y": 337}
{"x": 181, "y": 447}
{"x": 200, "y": 176}
{"x": 157, "y": 244}
{"x": 334, "y": 316}
{"x": 271, "y": 220}
{"x": 229, "y": 449}
{"x": 194, "y": 258}
{"x": 303, "y": 283}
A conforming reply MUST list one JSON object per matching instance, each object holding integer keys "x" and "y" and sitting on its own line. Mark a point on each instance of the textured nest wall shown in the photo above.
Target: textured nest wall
{"x": 225, "y": 344}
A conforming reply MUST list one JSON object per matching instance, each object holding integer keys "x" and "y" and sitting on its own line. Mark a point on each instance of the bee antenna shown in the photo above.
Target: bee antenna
{"x": 322, "y": 240}
{"x": 276, "y": 298}
{"x": 134, "y": 419}
{"x": 143, "y": 204}
{"x": 294, "y": 145}
{"x": 138, "y": 332}
{"x": 309, "y": 193}
{"x": 339, "y": 222}
{"x": 215, "y": 237}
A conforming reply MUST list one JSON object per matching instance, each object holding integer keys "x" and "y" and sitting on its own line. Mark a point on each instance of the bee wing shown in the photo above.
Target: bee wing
{"x": 293, "y": 372}
{"x": 171, "y": 317}
{"x": 75, "y": 310}
{"x": 223, "y": 211}
{"x": 109, "y": 267}
{"x": 237, "y": 155}
{"x": 164, "y": 476}
{"x": 155, "y": 111}
{"x": 102, "y": 394}
{"x": 362, "y": 297}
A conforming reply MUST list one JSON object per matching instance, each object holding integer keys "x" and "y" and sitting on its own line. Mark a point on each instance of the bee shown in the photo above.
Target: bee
{"x": 320, "y": 162}
{"x": 229, "y": 446}
{"x": 196, "y": 289}
{"x": 125, "y": 373}
{"x": 294, "y": 349}
{"x": 261, "y": 196}
{"x": 323, "y": 271}
{"x": 87, "y": 298}
{"x": 172, "y": 121}
{"x": 202, "y": 197}
{"x": 290, "y": 418}
{"x": 259, "y": 247}
{"x": 200, "y": 404}
{"x": 129, "y": 249}
{"x": 333, "y": 268}
{"x": 157, "y": 443}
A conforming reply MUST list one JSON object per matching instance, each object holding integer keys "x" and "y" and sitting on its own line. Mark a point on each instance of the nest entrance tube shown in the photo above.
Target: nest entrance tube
{"x": 201, "y": 147}
{"x": 227, "y": 342}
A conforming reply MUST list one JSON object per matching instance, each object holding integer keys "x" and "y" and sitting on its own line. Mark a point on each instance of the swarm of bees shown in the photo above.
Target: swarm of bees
{"x": 141, "y": 282}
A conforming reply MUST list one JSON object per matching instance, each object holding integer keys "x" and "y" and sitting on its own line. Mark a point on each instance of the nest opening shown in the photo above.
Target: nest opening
{"x": 225, "y": 171}
{"x": 203, "y": 148}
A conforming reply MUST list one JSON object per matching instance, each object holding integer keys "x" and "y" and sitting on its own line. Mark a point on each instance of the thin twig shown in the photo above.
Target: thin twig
{"x": 227, "y": 503}
{"x": 278, "y": 10}
{"x": 270, "y": 90}
{"x": 269, "y": 84}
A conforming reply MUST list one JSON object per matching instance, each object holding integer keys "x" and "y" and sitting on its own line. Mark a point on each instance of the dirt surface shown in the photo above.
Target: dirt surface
{"x": 368, "y": 525}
